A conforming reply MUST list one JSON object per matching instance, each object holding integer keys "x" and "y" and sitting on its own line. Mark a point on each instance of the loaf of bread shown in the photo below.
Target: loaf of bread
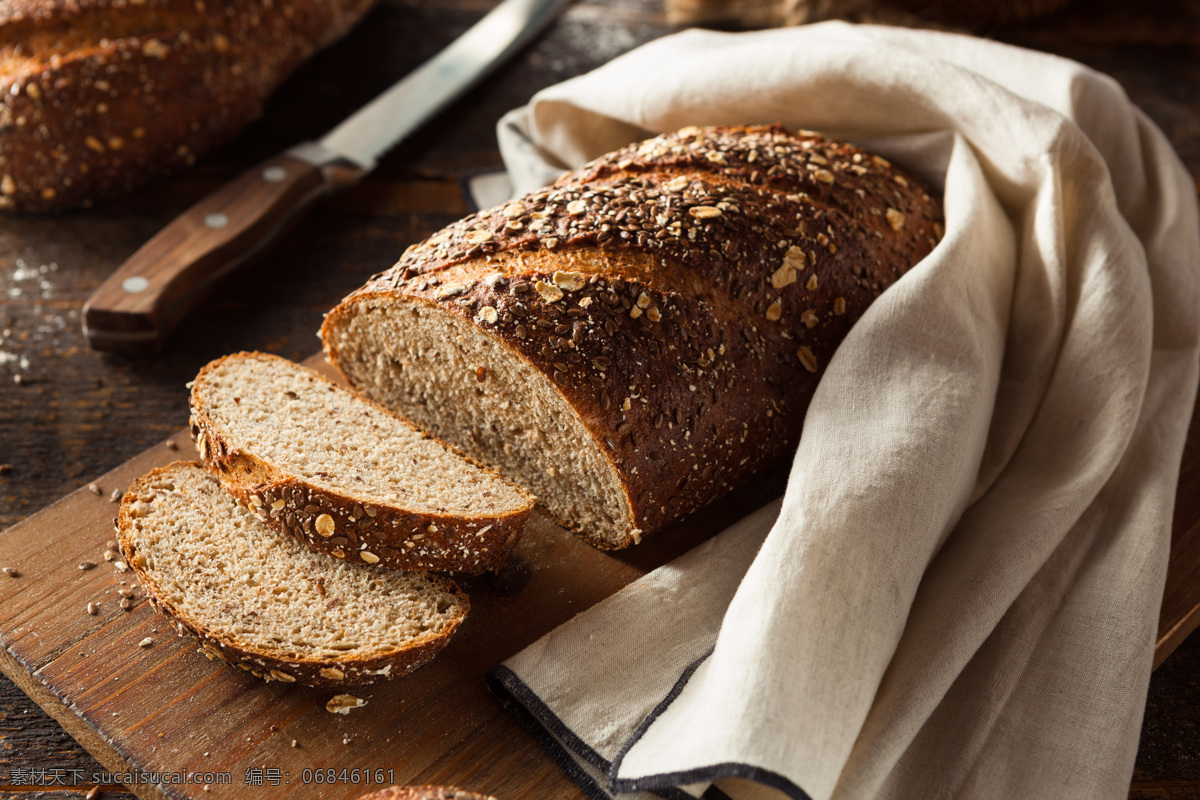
{"x": 639, "y": 338}
{"x": 96, "y": 96}
{"x": 344, "y": 476}
{"x": 267, "y": 604}
{"x": 423, "y": 793}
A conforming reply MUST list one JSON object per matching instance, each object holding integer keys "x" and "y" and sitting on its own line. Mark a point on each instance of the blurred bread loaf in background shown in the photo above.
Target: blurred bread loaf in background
{"x": 97, "y": 96}
{"x": 916, "y": 13}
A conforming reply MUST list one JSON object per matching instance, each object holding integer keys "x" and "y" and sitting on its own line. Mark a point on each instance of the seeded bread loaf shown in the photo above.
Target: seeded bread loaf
{"x": 267, "y": 604}
{"x": 639, "y": 338}
{"x": 424, "y": 793}
{"x": 346, "y": 477}
{"x": 96, "y": 96}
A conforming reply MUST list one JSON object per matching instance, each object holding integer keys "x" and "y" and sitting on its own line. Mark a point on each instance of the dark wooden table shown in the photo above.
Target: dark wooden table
{"x": 68, "y": 413}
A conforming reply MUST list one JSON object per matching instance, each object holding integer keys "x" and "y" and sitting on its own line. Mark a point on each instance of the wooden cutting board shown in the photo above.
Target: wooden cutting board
{"x": 164, "y": 709}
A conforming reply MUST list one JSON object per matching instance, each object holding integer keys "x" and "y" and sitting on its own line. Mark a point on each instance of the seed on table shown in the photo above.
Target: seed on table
{"x": 92, "y": 608}
{"x": 126, "y": 604}
{"x": 115, "y": 496}
{"x": 10, "y": 572}
{"x": 95, "y": 489}
{"x": 146, "y": 642}
{"x": 86, "y": 565}
{"x": 343, "y": 703}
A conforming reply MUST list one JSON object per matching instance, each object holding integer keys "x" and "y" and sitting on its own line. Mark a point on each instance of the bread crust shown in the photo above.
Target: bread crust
{"x": 396, "y": 537}
{"x": 683, "y": 294}
{"x": 424, "y": 793}
{"x": 353, "y": 671}
{"x": 96, "y": 96}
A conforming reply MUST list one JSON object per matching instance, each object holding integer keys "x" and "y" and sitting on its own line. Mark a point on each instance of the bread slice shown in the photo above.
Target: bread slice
{"x": 266, "y": 603}
{"x": 345, "y": 476}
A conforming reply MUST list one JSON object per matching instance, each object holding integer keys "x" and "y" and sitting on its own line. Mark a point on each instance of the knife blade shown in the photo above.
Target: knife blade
{"x": 135, "y": 308}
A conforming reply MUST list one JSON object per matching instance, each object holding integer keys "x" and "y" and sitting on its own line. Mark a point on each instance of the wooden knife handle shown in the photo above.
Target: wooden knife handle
{"x": 135, "y": 308}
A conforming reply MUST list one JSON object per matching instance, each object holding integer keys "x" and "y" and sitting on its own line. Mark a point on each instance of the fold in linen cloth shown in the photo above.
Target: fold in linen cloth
{"x": 958, "y": 594}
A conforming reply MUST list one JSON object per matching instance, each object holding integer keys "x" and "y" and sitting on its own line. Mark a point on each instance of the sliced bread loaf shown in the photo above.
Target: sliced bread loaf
{"x": 644, "y": 335}
{"x": 345, "y": 476}
{"x": 267, "y": 604}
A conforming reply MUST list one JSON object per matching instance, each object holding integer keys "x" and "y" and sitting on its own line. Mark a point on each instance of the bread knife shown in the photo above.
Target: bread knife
{"x": 134, "y": 309}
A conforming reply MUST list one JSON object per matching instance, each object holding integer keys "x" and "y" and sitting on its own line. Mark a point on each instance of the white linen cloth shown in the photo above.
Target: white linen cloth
{"x": 958, "y": 595}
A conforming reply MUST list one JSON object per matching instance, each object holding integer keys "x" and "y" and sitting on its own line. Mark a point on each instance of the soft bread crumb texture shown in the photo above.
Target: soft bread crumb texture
{"x": 227, "y": 575}
{"x": 467, "y": 387}
{"x": 304, "y": 425}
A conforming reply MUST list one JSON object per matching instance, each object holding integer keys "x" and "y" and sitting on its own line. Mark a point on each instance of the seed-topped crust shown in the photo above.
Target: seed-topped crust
{"x": 96, "y": 96}
{"x": 713, "y": 274}
{"x": 424, "y": 793}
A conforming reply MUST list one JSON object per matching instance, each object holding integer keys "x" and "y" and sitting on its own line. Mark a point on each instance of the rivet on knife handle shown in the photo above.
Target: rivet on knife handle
{"x": 137, "y": 306}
